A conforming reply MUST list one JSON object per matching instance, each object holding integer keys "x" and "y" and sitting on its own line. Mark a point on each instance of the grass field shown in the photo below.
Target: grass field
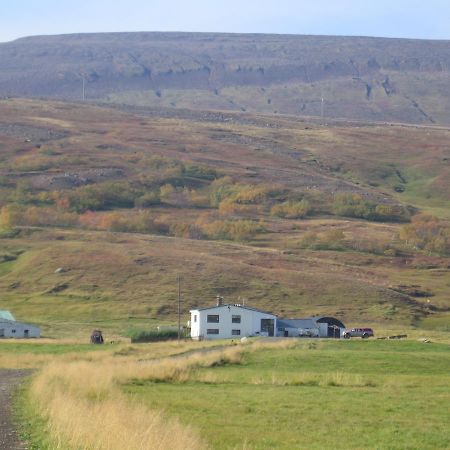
{"x": 305, "y": 394}
{"x": 317, "y": 395}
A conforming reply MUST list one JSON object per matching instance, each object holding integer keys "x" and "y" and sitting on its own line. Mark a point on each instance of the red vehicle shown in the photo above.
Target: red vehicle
{"x": 358, "y": 332}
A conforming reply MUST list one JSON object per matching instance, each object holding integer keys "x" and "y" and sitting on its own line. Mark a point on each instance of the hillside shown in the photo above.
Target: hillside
{"x": 292, "y": 216}
{"x": 376, "y": 79}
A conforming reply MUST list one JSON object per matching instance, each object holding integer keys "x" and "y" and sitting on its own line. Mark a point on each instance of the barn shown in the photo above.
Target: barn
{"x": 10, "y": 328}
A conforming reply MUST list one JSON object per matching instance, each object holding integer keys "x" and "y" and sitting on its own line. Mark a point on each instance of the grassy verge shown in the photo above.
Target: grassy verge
{"x": 32, "y": 426}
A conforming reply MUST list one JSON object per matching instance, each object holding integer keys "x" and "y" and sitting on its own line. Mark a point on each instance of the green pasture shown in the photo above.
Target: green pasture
{"x": 318, "y": 395}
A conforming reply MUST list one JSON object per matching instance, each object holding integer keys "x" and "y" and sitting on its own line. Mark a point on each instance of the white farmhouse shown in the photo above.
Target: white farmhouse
{"x": 231, "y": 321}
{"x": 10, "y": 328}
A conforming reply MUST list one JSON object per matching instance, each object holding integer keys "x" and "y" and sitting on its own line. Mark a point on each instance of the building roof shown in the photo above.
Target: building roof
{"x": 329, "y": 320}
{"x": 237, "y": 306}
{"x": 6, "y": 315}
{"x": 309, "y": 322}
{"x": 297, "y": 323}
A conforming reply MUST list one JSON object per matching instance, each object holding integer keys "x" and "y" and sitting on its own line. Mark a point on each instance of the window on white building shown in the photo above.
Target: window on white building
{"x": 236, "y": 332}
{"x": 213, "y": 318}
{"x": 212, "y": 331}
{"x": 236, "y": 319}
{"x": 195, "y": 318}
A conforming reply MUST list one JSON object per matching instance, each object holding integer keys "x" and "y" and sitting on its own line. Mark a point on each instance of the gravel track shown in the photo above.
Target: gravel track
{"x": 9, "y": 380}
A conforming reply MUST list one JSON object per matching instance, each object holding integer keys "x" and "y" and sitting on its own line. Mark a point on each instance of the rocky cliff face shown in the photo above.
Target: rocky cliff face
{"x": 367, "y": 78}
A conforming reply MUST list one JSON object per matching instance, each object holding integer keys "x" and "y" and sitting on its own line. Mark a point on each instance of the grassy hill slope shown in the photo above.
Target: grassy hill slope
{"x": 125, "y": 201}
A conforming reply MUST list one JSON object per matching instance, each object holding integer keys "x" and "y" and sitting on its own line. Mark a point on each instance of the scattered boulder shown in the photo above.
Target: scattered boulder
{"x": 61, "y": 270}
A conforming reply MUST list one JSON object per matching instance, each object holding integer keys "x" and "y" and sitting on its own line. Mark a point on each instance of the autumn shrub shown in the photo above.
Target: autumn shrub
{"x": 186, "y": 230}
{"x": 163, "y": 170}
{"x": 428, "y": 233}
{"x": 353, "y": 205}
{"x": 34, "y": 216}
{"x": 336, "y": 240}
{"x": 196, "y": 198}
{"x": 103, "y": 196}
{"x": 252, "y": 194}
{"x": 291, "y": 209}
{"x": 139, "y": 222}
{"x": 152, "y": 198}
{"x": 219, "y": 190}
{"x": 228, "y": 207}
{"x": 235, "y": 230}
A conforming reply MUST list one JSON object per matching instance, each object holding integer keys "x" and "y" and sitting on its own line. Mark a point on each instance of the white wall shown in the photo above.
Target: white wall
{"x": 17, "y": 330}
{"x": 250, "y": 322}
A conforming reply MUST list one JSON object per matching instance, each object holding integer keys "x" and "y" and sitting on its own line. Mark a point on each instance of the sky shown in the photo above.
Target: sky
{"x": 423, "y": 19}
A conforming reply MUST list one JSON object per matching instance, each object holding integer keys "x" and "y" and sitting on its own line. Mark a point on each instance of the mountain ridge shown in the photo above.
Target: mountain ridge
{"x": 383, "y": 79}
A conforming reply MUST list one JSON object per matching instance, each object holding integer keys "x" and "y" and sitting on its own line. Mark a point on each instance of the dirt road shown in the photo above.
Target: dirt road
{"x": 9, "y": 379}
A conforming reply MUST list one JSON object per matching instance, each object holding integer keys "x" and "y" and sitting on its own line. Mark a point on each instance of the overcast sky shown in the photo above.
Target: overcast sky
{"x": 428, "y": 19}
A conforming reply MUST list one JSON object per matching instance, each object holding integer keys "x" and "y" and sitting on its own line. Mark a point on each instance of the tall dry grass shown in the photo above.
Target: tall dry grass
{"x": 85, "y": 408}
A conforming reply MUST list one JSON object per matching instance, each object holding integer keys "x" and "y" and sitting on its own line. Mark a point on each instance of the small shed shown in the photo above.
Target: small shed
{"x": 10, "y": 328}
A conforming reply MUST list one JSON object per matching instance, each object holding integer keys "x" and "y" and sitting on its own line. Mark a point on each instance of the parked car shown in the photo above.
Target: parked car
{"x": 358, "y": 332}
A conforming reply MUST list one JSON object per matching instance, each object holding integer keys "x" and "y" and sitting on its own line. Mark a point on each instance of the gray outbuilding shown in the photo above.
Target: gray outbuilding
{"x": 11, "y": 329}
{"x": 318, "y": 326}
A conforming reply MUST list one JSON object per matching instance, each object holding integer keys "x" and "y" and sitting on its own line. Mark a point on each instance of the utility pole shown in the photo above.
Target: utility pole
{"x": 84, "y": 88}
{"x": 83, "y": 85}
{"x": 322, "y": 109}
{"x": 179, "y": 308}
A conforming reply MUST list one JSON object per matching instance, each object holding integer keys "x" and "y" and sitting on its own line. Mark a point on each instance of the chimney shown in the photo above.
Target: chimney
{"x": 219, "y": 300}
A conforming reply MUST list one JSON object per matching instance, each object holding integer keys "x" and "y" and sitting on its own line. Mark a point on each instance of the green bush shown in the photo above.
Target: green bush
{"x": 139, "y": 336}
{"x": 103, "y": 196}
{"x": 199, "y": 172}
{"x": 152, "y": 198}
{"x": 353, "y": 205}
{"x": 234, "y": 230}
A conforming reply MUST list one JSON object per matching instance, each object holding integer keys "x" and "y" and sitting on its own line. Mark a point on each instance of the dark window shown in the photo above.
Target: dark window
{"x": 236, "y": 319}
{"x": 212, "y": 318}
{"x": 195, "y": 318}
{"x": 13, "y": 331}
{"x": 267, "y": 326}
{"x": 236, "y": 332}
{"x": 212, "y": 331}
